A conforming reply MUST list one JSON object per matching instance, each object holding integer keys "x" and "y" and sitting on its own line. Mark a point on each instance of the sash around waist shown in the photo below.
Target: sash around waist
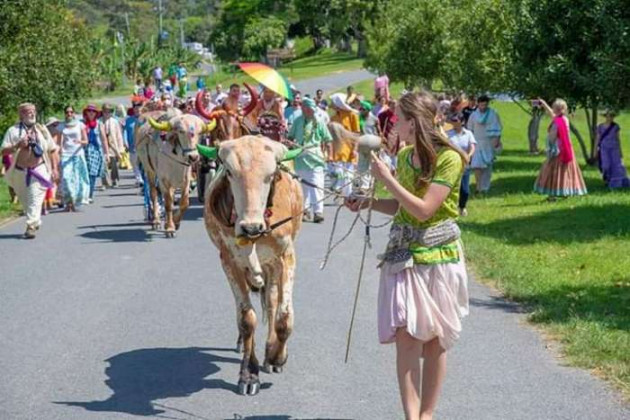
{"x": 408, "y": 245}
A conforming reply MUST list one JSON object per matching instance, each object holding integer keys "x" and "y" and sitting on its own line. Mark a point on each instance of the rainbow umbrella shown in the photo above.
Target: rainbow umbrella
{"x": 268, "y": 77}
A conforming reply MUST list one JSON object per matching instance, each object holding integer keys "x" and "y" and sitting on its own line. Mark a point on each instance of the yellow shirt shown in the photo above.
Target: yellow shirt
{"x": 350, "y": 121}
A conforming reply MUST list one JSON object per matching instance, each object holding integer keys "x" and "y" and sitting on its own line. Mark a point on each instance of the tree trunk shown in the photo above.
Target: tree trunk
{"x": 593, "y": 133}
{"x": 577, "y": 134}
{"x": 318, "y": 42}
{"x": 533, "y": 130}
{"x": 345, "y": 45}
{"x": 362, "y": 48}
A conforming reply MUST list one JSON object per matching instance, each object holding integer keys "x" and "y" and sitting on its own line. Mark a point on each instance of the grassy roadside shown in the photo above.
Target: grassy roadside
{"x": 566, "y": 262}
{"x": 7, "y": 210}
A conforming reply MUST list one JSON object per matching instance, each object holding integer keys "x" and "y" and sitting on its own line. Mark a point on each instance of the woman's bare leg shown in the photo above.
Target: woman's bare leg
{"x": 433, "y": 372}
{"x": 408, "y": 353}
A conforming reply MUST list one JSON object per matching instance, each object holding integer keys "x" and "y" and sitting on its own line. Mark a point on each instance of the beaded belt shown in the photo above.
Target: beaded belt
{"x": 402, "y": 236}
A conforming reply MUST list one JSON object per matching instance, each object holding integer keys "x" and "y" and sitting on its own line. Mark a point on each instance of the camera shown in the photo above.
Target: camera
{"x": 35, "y": 148}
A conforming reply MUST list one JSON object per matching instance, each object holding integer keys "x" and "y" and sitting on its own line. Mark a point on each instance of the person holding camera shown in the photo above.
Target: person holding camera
{"x": 34, "y": 168}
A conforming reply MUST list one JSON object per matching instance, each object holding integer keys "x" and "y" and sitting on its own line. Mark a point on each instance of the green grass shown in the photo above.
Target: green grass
{"x": 567, "y": 262}
{"x": 7, "y": 210}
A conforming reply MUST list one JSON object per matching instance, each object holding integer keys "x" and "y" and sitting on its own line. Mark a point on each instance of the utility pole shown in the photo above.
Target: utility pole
{"x": 181, "y": 32}
{"x": 160, "y": 9}
{"x": 121, "y": 38}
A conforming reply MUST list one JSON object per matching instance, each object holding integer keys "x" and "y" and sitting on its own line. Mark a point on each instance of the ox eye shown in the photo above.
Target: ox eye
{"x": 227, "y": 171}
{"x": 269, "y": 179}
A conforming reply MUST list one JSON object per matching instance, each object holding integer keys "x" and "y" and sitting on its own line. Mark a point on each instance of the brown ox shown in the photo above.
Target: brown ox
{"x": 175, "y": 156}
{"x": 248, "y": 196}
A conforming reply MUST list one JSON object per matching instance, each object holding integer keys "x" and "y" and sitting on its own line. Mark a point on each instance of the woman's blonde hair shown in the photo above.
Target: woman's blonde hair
{"x": 422, "y": 108}
{"x": 560, "y": 105}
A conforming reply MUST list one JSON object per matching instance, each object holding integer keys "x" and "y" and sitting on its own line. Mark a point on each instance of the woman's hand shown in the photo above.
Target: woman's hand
{"x": 354, "y": 204}
{"x": 379, "y": 169}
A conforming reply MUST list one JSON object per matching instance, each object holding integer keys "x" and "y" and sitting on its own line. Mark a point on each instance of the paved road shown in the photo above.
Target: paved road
{"x": 328, "y": 83}
{"x": 101, "y": 319}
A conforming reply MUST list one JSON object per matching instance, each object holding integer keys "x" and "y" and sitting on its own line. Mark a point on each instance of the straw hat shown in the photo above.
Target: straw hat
{"x": 91, "y": 107}
{"x": 51, "y": 121}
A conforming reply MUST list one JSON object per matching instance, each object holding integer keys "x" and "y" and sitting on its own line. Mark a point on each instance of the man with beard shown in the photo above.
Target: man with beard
{"x": 34, "y": 168}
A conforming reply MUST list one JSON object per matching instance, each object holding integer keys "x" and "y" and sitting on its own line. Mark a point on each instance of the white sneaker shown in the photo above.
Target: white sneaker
{"x": 463, "y": 212}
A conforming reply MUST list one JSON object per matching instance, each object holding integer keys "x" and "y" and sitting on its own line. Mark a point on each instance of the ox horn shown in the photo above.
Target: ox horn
{"x": 291, "y": 154}
{"x": 252, "y": 104}
{"x": 209, "y": 127}
{"x": 199, "y": 106}
{"x": 208, "y": 152}
{"x": 163, "y": 126}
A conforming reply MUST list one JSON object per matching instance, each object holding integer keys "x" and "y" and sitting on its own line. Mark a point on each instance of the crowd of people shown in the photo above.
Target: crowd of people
{"x": 95, "y": 145}
{"x": 429, "y": 148}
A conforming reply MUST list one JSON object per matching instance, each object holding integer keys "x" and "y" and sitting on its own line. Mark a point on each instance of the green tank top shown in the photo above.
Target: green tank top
{"x": 448, "y": 172}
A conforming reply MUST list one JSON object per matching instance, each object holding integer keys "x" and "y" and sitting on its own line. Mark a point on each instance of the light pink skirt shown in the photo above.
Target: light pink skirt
{"x": 427, "y": 300}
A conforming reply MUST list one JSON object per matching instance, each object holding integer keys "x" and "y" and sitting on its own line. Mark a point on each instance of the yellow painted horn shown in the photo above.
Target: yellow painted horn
{"x": 163, "y": 126}
{"x": 210, "y": 126}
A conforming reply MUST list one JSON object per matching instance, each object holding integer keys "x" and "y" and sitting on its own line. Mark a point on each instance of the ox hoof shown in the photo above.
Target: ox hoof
{"x": 251, "y": 387}
{"x": 177, "y": 226}
{"x": 170, "y": 234}
{"x": 155, "y": 226}
{"x": 268, "y": 368}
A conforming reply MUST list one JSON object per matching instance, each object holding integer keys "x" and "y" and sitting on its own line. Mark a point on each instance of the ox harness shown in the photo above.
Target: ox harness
{"x": 176, "y": 143}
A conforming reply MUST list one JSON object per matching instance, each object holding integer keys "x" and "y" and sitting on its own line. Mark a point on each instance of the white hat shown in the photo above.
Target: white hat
{"x": 339, "y": 101}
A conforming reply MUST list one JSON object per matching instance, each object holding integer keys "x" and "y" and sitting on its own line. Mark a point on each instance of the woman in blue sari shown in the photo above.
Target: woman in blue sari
{"x": 96, "y": 149}
{"x": 75, "y": 183}
{"x": 609, "y": 151}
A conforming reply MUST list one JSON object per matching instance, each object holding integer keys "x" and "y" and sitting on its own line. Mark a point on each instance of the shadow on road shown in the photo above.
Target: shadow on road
{"x": 194, "y": 212}
{"x": 123, "y": 205}
{"x": 118, "y": 235}
{"x": 11, "y": 236}
{"x": 139, "y": 377}
{"x": 497, "y": 303}
{"x": 278, "y": 417}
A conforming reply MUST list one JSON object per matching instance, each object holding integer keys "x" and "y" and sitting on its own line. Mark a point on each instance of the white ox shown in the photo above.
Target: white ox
{"x": 253, "y": 212}
{"x": 170, "y": 161}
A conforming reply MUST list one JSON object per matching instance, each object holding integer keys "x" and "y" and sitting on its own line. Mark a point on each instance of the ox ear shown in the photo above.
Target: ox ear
{"x": 291, "y": 154}
{"x": 208, "y": 152}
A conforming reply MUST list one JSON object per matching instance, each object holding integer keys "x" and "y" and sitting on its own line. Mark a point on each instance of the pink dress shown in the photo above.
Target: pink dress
{"x": 381, "y": 86}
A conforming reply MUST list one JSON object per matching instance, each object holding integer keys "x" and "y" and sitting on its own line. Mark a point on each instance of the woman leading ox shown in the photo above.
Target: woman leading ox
{"x": 423, "y": 290}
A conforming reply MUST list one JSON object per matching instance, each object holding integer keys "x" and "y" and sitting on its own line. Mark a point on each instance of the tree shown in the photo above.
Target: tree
{"x": 408, "y": 42}
{"x": 338, "y": 21}
{"x": 237, "y": 15}
{"x": 574, "y": 49}
{"x": 44, "y": 56}
{"x": 477, "y": 56}
{"x": 260, "y": 34}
